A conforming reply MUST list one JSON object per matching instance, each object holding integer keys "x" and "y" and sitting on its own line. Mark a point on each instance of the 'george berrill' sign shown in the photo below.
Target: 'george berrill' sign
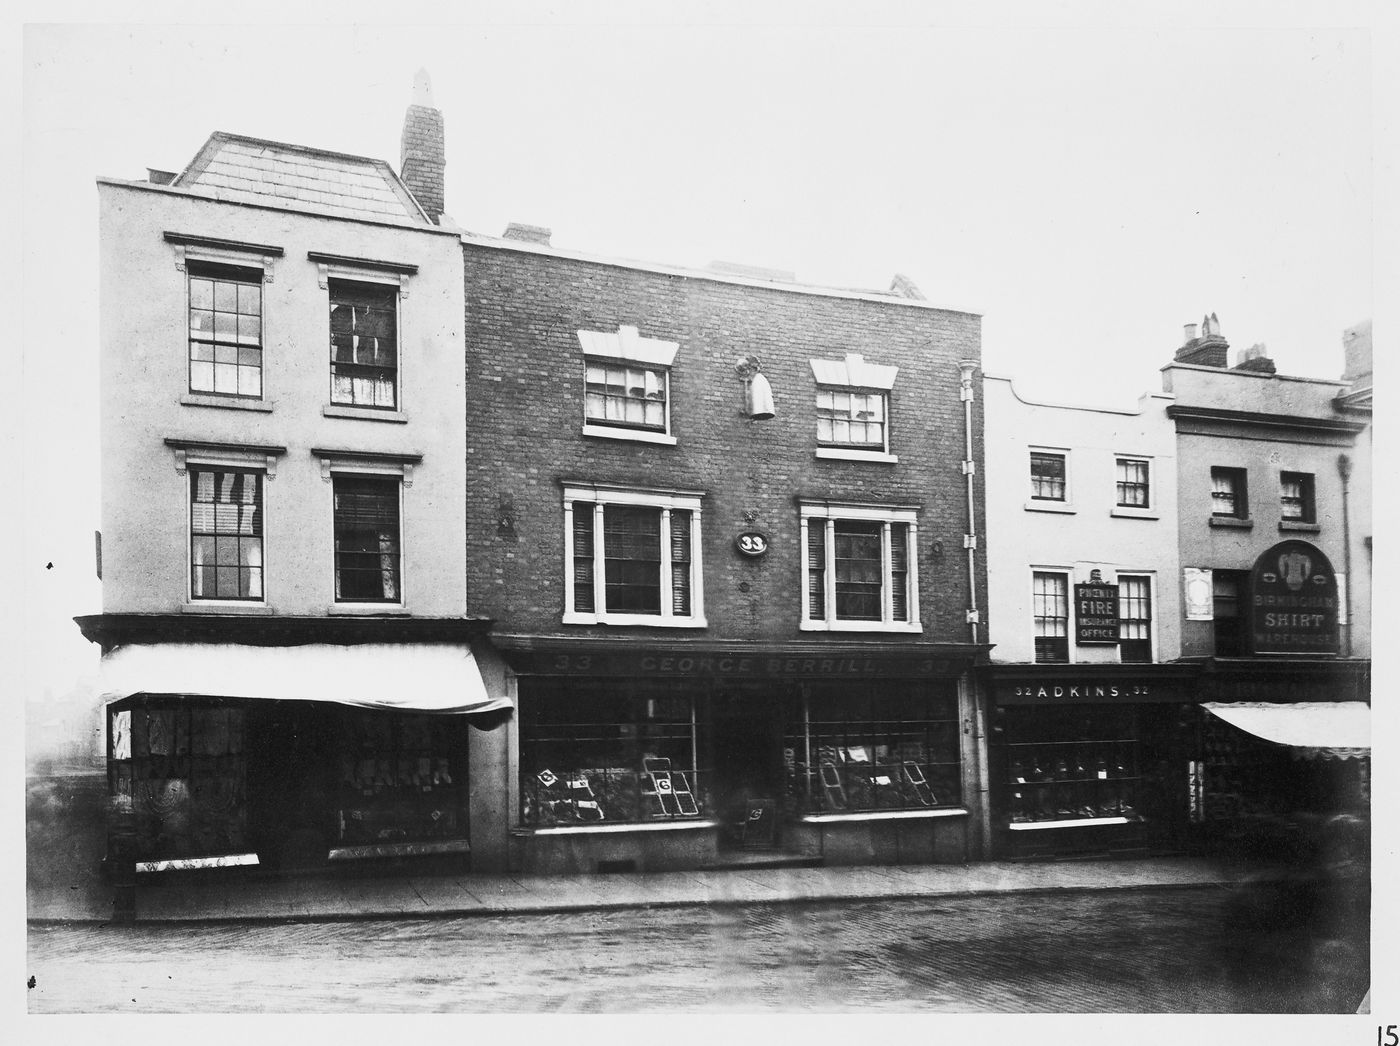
{"x": 1294, "y": 604}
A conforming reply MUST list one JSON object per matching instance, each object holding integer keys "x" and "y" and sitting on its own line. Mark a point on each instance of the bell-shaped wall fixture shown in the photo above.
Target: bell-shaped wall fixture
{"x": 758, "y": 394}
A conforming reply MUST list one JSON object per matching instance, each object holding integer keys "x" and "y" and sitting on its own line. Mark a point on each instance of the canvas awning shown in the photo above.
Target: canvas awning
{"x": 1330, "y": 729}
{"x": 416, "y": 677}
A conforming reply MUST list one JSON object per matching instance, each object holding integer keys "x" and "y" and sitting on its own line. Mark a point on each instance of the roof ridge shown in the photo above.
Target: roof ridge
{"x": 231, "y": 136}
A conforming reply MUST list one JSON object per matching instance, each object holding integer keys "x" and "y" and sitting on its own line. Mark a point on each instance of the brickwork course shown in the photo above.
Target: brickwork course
{"x": 525, "y": 414}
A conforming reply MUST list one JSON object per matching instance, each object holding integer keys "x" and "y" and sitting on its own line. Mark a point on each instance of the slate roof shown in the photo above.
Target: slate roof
{"x": 274, "y": 173}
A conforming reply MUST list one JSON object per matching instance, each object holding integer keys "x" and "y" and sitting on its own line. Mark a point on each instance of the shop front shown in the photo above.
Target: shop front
{"x": 1284, "y": 726}
{"x": 1090, "y": 758}
{"x": 289, "y": 758}
{"x": 1285, "y": 747}
{"x": 637, "y": 759}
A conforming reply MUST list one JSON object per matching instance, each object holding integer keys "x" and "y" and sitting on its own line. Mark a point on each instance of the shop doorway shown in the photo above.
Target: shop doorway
{"x": 291, "y": 785}
{"x": 746, "y": 756}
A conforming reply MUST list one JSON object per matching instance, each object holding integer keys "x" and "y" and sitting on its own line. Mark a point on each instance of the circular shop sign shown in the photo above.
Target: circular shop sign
{"x": 751, "y": 543}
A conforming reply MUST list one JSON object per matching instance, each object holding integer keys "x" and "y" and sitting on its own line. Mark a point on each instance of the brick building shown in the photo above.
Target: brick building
{"x": 718, "y": 521}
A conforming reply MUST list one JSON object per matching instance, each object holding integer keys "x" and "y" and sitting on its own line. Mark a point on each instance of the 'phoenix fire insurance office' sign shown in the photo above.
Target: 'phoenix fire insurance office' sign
{"x": 1096, "y": 613}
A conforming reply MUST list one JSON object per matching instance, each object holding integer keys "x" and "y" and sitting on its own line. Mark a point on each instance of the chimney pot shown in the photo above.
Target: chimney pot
{"x": 1209, "y": 349}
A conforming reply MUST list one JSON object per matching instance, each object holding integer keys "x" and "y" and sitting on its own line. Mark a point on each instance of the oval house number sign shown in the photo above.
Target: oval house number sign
{"x": 751, "y": 543}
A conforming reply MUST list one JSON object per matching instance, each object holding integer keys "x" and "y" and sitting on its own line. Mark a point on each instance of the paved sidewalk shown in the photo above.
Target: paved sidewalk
{"x": 326, "y": 899}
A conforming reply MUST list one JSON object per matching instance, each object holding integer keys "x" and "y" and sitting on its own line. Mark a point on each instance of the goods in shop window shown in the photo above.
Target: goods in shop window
{"x": 440, "y": 772}
{"x": 833, "y": 792}
{"x": 914, "y": 775}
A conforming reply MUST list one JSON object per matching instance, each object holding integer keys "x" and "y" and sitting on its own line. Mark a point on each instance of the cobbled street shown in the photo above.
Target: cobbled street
{"x": 1136, "y": 951}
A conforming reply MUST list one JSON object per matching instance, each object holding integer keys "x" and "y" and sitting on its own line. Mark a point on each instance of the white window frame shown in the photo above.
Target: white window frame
{"x": 593, "y": 497}
{"x": 188, "y": 249}
{"x": 328, "y": 272}
{"x": 350, "y": 607}
{"x": 262, "y": 459}
{"x": 826, "y": 514}
{"x": 384, "y": 466}
{"x": 853, "y": 374}
{"x": 627, "y": 346}
{"x": 1148, "y": 511}
{"x": 1034, "y": 504}
{"x": 1152, "y": 608}
{"x": 1071, "y": 618}
{"x": 190, "y": 600}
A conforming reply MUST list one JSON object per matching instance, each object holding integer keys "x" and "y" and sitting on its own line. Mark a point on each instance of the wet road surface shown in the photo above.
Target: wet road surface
{"x": 1126, "y": 951}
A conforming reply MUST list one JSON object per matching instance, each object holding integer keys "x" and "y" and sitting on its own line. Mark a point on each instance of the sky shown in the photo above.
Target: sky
{"x": 1088, "y": 182}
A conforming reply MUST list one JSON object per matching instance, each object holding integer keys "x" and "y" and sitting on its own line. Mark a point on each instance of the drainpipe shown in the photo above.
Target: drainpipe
{"x": 982, "y": 813}
{"x": 1344, "y": 470}
{"x": 969, "y": 470}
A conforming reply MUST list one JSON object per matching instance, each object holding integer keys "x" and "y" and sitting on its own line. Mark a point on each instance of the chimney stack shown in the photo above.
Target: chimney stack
{"x": 1210, "y": 349}
{"x": 1256, "y": 358}
{"x": 422, "y": 158}
{"x": 529, "y": 233}
{"x": 1356, "y": 343}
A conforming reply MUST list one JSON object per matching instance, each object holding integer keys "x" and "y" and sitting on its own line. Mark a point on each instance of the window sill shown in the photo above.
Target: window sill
{"x": 1232, "y": 522}
{"x": 885, "y": 815}
{"x": 904, "y": 627}
{"x": 1078, "y": 822}
{"x": 198, "y": 399}
{"x": 635, "y": 620}
{"x": 613, "y": 829}
{"x": 629, "y": 435}
{"x": 372, "y": 850}
{"x": 337, "y": 410}
{"x": 1298, "y": 526}
{"x": 367, "y": 610}
{"x": 1134, "y": 513}
{"x": 213, "y": 607}
{"x": 839, "y": 454}
{"x": 1062, "y": 507}
{"x": 186, "y": 864}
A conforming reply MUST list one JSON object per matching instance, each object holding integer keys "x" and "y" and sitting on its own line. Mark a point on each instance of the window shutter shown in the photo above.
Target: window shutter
{"x": 680, "y": 562}
{"x": 899, "y": 570}
{"x": 816, "y": 570}
{"x": 583, "y": 558}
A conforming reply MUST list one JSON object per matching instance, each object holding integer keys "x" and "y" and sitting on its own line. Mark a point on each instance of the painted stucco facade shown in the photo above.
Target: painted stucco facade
{"x": 1085, "y": 531}
{"x": 146, "y": 399}
{"x": 1265, "y": 425}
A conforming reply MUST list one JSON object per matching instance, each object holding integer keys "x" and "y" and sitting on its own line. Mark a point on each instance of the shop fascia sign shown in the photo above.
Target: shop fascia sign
{"x": 1027, "y": 691}
{"x": 1293, "y": 602}
{"x": 727, "y": 664}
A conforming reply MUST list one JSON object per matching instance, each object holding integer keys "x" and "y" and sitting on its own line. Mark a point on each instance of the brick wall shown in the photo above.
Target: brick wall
{"x": 525, "y": 410}
{"x": 422, "y": 158}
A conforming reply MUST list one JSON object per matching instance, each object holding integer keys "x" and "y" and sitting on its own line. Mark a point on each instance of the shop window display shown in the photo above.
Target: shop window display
{"x": 1074, "y": 780}
{"x": 184, "y": 770}
{"x": 593, "y": 752}
{"x": 1066, "y": 766}
{"x": 861, "y": 752}
{"x": 402, "y": 778}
